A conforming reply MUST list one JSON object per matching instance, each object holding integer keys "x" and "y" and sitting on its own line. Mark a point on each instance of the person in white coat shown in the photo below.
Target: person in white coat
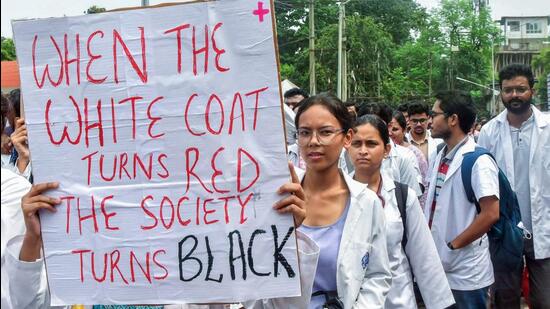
{"x": 401, "y": 162}
{"x": 344, "y": 218}
{"x": 13, "y": 189}
{"x": 13, "y": 226}
{"x": 23, "y": 284}
{"x": 459, "y": 231}
{"x": 397, "y": 128}
{"x": 419, "y": 136}
{"x": 370, "y": 143}
{"x": 402, "y": 165}
{"x": 515, "y": 137}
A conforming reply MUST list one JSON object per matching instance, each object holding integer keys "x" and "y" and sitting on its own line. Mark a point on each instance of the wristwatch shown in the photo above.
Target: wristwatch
{"x": 450, "y": 245}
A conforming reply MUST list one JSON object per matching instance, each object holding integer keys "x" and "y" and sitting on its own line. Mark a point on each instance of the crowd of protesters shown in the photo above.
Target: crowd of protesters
{"x": 378, "y": 197}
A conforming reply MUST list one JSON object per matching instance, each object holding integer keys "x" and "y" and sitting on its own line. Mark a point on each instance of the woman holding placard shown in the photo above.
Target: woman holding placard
{"x": 344, "y": 218}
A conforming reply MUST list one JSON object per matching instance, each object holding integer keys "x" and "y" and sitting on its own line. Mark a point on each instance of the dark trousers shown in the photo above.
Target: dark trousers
{"x": 506, "y": 291}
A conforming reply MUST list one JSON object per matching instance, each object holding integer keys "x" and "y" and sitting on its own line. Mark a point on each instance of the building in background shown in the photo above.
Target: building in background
{"x": 524, "y": 38}
{"x": 10, "y": 76}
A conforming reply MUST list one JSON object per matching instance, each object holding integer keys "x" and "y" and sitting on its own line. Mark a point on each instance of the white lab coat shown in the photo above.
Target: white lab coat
{"x": 495, "y": 137}
{"x": 432, "y": 148}
{"x": 23, "y": 284}
{"x": 13, "y": 167}
{"x": 364, "y": 236}
{"x": 28, "y": 283}
{"x": 363, "y": 243}
{"x": 13, "y": 224}
{"x": 290, "y": 127}
{"x": 402, "y": 166}
{"x": 421, "y": 255}
{"x": 467, "y": 268}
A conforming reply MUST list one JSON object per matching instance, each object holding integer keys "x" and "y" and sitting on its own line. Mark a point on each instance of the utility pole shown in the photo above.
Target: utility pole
{"x": 340, "y": 30}
{"x": 341, "y": 74}
{"x": 430, "y": 81}
{"x": 345, "y": 71}
{"x": 493, "y": 101}
{"x": 378, "y": 69}
{"x": 312, "y": 79}
{"x": 144, "y": 2}
{"x": 344, "y": 97}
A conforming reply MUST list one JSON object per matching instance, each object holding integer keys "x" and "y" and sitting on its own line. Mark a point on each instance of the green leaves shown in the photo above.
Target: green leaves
{"x": 8, "y": 49}
{"x": 394, "y": 47}
{"x": 94, "y": 9}
{"x": 542, "y": 60}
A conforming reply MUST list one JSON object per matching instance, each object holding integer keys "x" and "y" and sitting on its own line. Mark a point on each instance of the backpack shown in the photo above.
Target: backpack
{"x": 505, "y": 236}
{"x": 401, "y": 191}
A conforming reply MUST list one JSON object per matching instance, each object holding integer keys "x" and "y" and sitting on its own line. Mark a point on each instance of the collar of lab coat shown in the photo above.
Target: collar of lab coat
{"x": 468, "y": 147}
{"x": 387, "y": 182}
{"x": 393, "y": 149}
{"x": 540, "y": 120}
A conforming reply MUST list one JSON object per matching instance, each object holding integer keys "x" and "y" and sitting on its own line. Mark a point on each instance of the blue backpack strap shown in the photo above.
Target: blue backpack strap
{"x": 466, "y": 171}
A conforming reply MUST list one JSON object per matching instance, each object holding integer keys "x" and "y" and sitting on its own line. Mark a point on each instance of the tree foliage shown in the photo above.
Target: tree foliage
{"x": 395, "y": 49}
{"x": 399, "y": 17}
{"x": 542, "y": 60}
{"x": 8, "y": 49}
{"x": 94, "y": 9}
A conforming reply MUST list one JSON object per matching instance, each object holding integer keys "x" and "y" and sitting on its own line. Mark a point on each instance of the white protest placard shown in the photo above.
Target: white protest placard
{"x": 164, "y": 128}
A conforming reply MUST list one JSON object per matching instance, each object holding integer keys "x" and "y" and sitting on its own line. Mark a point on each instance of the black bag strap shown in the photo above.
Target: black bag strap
{"x": 327, "y": 294}
{"x": 401, "y": 191}
{"x": 331, "y": 299}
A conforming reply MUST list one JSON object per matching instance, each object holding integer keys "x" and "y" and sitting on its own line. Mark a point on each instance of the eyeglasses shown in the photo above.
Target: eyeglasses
{"x": 324, "y": 136}
{"x": 435, "y": 114}
{"x": 518, "y": 90}
{"x": 421, "y": 120}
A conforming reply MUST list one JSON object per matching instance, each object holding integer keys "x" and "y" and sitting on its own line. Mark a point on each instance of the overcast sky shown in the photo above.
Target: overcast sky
{"x": 18, "y": 9}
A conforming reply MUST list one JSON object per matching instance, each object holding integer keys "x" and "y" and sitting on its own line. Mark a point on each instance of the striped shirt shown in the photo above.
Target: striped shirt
{"x": 442, "y": 173}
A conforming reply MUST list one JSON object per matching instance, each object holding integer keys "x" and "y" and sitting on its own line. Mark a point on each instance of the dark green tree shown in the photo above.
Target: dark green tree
{"x": 8, "y": 49}
{"x": 399, "y": 17}
{"x": 542, "y": 60}
{"x": 94, "y": 9}
{"x": 468, "y": 36}
{"x": 292, "y": 18}
{"x": 395, "y": 49}
{"x": 419, "y": 68}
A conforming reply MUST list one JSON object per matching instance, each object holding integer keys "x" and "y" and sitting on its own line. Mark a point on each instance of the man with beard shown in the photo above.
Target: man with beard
{"x": 419, "y": 136}
{"x": 514, "y": 137}
{"x": 459, "y": 231}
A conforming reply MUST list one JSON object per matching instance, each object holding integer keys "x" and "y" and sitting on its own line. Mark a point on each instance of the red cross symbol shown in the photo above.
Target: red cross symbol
{"x": 260, "y": 11}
